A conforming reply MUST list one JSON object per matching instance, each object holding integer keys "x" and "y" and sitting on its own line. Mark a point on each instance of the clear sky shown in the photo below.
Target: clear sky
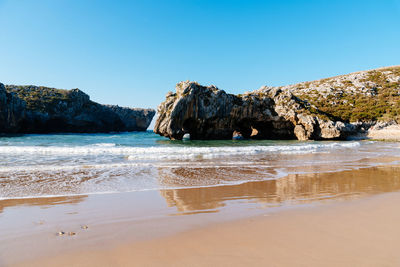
{"x": 132, "y": 53}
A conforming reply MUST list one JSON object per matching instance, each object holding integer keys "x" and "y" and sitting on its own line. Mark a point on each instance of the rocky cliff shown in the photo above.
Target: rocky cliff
{"x": 332, "y": 108}
{"x": 33, "y": 109}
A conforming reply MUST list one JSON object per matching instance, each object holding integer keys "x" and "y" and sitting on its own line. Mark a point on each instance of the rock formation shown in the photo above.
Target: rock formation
{"x": 319, "y": 110}
{"x": 12, "y": 110}
{"x": 33, "y": 109}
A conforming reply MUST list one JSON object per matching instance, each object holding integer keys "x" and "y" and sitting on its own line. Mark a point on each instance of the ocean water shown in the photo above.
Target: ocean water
{"x": 75, "y": 164}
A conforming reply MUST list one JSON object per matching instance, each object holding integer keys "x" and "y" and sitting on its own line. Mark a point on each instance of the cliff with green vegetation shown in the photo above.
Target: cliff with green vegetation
{"x": 365, "y": 96}
{"x": 38, "y": 109}
{"x": 332, "y": 108}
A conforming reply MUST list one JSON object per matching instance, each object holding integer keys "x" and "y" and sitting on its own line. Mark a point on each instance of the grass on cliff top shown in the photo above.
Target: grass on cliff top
{"x": 39, "y": 98}
{"x": 352, "y": 107}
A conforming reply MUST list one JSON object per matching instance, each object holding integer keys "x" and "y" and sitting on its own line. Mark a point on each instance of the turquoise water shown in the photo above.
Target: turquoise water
{"x": 71, "y": 164}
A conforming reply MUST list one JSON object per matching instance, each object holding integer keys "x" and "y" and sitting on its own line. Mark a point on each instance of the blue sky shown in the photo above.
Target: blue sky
{"x": 132, "y": 53}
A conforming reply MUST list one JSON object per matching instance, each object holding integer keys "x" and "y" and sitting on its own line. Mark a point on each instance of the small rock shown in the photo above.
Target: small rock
{"x": 61, "y": 233}
{"x": 84, "y": 227}
{"x": 237, "y": 135}
{"x": 186, "y": 136}
{"x": 71, "y": 233}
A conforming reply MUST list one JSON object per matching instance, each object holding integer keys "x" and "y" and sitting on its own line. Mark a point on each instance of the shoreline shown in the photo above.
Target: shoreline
{"x": 120, "y": 221}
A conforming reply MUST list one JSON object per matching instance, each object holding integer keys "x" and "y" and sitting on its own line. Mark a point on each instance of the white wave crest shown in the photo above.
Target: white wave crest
{"x": 172, "y": 152}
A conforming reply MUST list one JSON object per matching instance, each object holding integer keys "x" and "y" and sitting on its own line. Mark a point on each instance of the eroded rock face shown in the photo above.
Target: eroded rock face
{"x": 134, "y": 119}
{"x": 33, "y": 109}
{"x": 210, "y": 113}
{"x": 12, "y": 111}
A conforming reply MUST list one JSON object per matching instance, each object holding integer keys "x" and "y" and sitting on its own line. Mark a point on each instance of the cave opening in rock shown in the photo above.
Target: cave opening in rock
{"x": 253, "y": 129}
{"x": 189, "y": 128}
{"x": 247, "y": 128}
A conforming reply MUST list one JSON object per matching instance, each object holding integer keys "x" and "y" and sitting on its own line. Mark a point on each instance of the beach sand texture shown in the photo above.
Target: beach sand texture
{"x": 361, "y": 233}
{"x": 347, "y": 218}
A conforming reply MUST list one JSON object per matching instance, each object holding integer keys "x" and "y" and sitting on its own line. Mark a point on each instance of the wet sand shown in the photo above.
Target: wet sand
{"x": 344, "y": 218}
{"x": 359, "y": 233}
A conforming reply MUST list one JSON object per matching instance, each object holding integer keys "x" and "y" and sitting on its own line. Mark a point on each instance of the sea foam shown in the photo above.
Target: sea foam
{"x": 64, "y": 165}
{"x": 171, "y": 152}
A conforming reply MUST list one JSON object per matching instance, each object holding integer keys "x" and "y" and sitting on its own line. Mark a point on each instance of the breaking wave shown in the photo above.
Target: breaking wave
{"x": 170, "y": 152}
{"x": 63, "y": 165}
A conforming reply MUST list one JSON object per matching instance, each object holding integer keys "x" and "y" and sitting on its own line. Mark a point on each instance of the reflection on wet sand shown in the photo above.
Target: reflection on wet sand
{"x": 47, "y": 201}
{"x": 299, "y": 188}
{"x": 294, "y": 188}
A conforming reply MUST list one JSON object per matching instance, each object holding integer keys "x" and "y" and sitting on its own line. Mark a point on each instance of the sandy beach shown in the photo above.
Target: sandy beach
{"x": 360, "y": 233}
{"x": 199, "y": 133}
{"x": 347, "y": 218}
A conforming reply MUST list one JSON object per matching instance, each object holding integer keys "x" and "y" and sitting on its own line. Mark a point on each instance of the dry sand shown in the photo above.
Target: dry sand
{"x": 389, "y": 133}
